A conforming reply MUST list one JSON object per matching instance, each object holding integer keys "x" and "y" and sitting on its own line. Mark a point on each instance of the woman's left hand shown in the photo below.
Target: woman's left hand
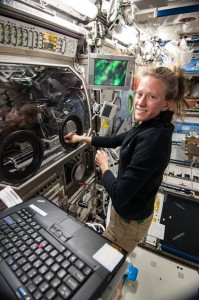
{"x": 101, "y": 160}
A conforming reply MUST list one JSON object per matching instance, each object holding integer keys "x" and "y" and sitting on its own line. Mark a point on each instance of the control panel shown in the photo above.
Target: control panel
{"x": 16, "y": 34}
{"x": 182, "y": 176}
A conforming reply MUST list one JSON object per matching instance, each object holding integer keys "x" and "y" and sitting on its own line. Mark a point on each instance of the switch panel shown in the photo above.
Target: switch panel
{"x": 15, "y": 34}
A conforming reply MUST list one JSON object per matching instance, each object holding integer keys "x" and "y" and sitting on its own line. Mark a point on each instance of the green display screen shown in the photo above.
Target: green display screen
{"x": 109, "y": 72}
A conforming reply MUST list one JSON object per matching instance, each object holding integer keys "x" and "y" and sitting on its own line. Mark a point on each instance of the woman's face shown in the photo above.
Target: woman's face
{"x": 150, "y": 98}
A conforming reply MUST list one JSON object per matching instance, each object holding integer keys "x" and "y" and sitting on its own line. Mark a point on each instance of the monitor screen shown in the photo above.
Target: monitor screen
{"x": 108, "y": 110}
{"x": 110, "y": 71}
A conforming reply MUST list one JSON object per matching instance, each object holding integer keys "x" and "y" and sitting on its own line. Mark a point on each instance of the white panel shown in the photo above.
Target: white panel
{"x": 159, "y": 278}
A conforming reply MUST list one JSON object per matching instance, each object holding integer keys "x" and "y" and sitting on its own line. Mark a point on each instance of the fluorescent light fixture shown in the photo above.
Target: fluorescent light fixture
{"x": 84, "y": 7}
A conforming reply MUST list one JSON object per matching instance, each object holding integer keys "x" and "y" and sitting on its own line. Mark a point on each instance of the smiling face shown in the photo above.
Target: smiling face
{"x": 150, "y": 98}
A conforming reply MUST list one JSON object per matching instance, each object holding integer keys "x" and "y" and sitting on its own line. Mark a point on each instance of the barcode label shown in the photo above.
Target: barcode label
{"x": 9, "y": 197}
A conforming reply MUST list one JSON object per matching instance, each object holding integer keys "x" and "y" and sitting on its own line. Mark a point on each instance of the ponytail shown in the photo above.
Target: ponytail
{"x": 179, "y": 103}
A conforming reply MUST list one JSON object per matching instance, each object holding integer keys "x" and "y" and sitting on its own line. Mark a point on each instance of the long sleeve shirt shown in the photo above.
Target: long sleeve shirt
{"x": 144, "y": 155}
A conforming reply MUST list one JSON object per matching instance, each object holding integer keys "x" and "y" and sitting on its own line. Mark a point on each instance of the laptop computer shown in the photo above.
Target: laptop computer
{"x": 47, "y": 254}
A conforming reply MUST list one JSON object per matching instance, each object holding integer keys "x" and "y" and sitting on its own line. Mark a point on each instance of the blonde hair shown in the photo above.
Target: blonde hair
{"x": 174, "y": 79}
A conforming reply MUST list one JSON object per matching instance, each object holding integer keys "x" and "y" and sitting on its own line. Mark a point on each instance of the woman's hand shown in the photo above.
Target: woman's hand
{"x": 101, "y": 160}
{"x": 71, "y": 138}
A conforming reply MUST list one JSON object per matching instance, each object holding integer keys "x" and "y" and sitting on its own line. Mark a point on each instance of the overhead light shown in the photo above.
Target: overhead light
{"x": 84, "y": 7}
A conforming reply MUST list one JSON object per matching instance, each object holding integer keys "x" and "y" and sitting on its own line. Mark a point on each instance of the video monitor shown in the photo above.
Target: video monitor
{"x": 110, "y": 72}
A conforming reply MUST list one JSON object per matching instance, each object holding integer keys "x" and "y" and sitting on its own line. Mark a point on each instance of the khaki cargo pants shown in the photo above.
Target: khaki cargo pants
{"x": 126, "y": 234}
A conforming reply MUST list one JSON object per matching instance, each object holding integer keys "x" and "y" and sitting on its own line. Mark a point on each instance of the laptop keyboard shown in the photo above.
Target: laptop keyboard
{"x": 45, "y": 268}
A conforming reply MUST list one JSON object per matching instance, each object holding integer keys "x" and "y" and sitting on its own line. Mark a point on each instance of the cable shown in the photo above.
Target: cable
{"x": 91, "y": 225}
{"x": 108, "y": 217}
{"x": 112, "y": 161}
{"x": 99, "y": 225}
{"x": 96, "y": 115}
{"x": 94, "y": 225}
{"x": 119, "y": 105}
{"x": 191, "y": 169}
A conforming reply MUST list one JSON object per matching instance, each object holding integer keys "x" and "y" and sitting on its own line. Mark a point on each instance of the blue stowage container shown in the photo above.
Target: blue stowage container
{"x": 132, "y": 273}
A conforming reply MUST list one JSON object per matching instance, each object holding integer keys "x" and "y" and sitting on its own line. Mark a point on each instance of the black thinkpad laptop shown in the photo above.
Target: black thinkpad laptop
{"x": 47, "y": 254}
